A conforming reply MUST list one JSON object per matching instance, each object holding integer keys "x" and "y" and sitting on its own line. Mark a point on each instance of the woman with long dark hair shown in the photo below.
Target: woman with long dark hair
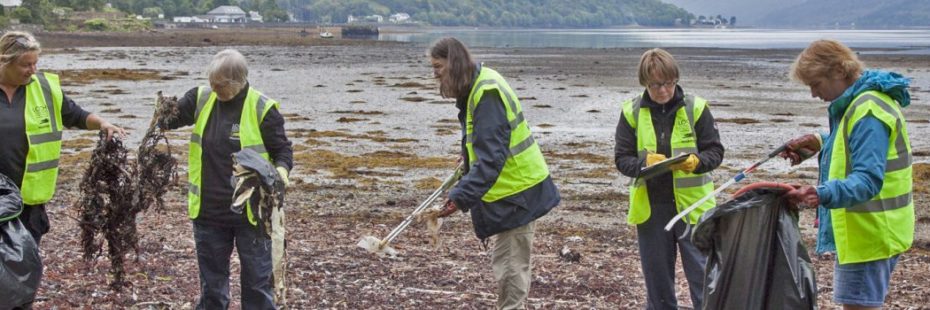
{"x": 506, "y": 184}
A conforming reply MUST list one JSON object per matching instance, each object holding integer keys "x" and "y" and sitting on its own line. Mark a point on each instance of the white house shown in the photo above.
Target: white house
{"x": 255, "y": 17}
{"x": 228, "y": 14}
{"x": 399, "y": 17}
{"x": 189, "y": 19}
{"x": 11, "y": 3}
{"x": 375, "y": 18}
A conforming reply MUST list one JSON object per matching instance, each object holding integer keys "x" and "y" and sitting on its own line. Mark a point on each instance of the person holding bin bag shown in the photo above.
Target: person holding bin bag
{"x": 864, "y": 198}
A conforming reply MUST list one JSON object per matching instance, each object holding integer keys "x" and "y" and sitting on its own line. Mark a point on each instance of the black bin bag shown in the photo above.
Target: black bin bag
{"x": 21, "y": 266}
{"x": 755, "y": 257}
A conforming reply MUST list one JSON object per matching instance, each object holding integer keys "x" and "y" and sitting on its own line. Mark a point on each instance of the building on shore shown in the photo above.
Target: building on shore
{"x": 228, "y": 14}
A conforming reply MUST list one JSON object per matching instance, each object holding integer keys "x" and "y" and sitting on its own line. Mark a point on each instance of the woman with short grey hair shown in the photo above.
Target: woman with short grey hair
{"x": 33, "y": 112}
{"x": 228, "y": 116}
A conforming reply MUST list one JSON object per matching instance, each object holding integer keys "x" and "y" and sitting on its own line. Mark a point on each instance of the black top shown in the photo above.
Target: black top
{"x": 660, "y": 188}
{"x": 15, "y": 146}
{"x": 219, "y": 145}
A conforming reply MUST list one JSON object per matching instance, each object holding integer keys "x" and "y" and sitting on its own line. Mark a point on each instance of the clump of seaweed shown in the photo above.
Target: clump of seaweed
{"x": 155, "y": 168}
{"x": 106, "y": 205}
{"x": 113, "y": 191}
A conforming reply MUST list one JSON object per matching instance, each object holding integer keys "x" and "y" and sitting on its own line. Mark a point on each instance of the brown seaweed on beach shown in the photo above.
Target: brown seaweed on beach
{"x": 106, "y": 206}
{"x": 155, "y": 167}
{"x": 113, "y": 191}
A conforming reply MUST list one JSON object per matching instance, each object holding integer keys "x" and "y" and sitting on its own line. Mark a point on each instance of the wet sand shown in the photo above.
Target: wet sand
{"x": 373, "y": 137}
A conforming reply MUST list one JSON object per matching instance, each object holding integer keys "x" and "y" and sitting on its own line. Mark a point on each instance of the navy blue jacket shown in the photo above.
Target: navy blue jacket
{"x": 492, "y": 145}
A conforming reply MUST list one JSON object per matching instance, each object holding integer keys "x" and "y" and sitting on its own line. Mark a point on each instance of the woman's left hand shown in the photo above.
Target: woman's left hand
{"x": 112, "y": 130}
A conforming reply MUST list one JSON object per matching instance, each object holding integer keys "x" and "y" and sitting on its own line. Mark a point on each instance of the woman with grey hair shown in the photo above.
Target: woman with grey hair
{"x": 229, "y": 115}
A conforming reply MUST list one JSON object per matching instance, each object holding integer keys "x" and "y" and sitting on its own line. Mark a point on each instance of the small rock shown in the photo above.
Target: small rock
{"x": 569, "y": 255}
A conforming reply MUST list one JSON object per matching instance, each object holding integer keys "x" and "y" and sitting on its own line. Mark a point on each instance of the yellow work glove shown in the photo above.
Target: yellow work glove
{"x": 283, "y": 173}
{"x": 653, "y": 158}
{"x": 688, "y": 165}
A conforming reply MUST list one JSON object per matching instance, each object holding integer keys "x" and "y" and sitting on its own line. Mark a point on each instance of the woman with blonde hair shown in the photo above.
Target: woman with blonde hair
{"x": 663, "y": 122}
{"x": 863, "y": 199}
{"x": 33, "y": 113}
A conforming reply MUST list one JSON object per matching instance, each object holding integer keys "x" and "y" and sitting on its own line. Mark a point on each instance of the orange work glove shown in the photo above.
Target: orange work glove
{"x": 801, "y": 148}
{"x": 447, "y": 208}
{"x": 688, "y": 165}
{"x": 804, "y": 196}
{"x": 653, "y": 158}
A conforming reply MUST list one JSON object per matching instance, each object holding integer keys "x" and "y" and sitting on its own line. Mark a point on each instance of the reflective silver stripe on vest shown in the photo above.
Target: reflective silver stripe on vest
{"x": 260, "y": 108}
{"x": 194, "y": 189}
{"x": 517, "y": 120}
{"x": 695, "y": 181}
{"x": 522, "y": 146}
{"x": 474, "y": 102}
{"x": 518, "y": 114}
{"x": 684, "y": 150}
{"x": 637, "y": 103}
{"x": 195, "y": 138}
{"x": 45, "y": 137}
{"x": 47, "y": 93}
{"x": 202, "y": 101}
{"x": 642, "y": 154}
{"x": 904, "y": 159}
{"x": 469, "y": 138}
{"x": 45, "y": 165}
{"x": 882, "y": 205}
{"x": 258, "y": 148}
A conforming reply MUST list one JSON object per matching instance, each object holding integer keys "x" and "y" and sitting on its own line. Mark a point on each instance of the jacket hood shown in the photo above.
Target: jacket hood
{"x": 890, "y": 83}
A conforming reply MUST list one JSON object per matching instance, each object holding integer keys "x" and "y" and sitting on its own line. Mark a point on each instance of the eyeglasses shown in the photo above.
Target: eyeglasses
{"x": 21, "y": 41}
{"x": 666, "y": 84}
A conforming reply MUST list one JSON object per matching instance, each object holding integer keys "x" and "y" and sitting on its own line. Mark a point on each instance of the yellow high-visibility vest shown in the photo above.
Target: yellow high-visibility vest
{"x": 43, "y": 132}
{"x": 525, "y": 166}
{"x": 883, "y": 226}
{"x": 688, "y": 187}
{"x": 254, "y": 109}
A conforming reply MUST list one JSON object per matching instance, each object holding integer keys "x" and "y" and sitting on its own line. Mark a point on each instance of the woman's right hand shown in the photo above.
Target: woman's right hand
{"x": 801, "y": 148}
{"x": 653, "y": 158}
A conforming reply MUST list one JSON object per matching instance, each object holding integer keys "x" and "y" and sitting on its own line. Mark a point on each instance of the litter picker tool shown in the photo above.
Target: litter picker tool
{"x": 736, "y": 178}
{"x": 380, "y": 246}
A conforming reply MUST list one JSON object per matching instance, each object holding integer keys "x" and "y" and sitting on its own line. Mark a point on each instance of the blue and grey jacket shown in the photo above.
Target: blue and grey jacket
{"x": 868, "y": 145}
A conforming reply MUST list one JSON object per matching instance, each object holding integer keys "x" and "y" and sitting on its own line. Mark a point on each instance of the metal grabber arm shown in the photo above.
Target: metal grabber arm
{"x": 736, "y": 178}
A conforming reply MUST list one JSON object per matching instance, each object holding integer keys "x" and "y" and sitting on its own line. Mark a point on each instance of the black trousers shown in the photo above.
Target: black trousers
{"x": 658, "y": 250}
{"x": 36, "y": 221}
{"x": 214, "y": 247}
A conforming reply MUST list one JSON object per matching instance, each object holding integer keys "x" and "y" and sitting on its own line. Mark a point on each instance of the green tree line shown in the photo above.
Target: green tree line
{"x": 500, "y": 13}
{"x": 42, "y": 11}
{"x": 497, "y": 13}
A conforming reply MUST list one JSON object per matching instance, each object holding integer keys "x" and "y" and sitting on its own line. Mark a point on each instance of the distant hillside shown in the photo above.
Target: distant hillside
{"x": 510, "y": 13}
{"x": 864, "y": 13}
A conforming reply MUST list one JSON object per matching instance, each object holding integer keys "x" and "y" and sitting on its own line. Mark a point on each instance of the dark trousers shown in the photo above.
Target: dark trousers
{"x": 214, "y": 247}
{"x": 657, "y": 253}
{"x": 36, "y": 221}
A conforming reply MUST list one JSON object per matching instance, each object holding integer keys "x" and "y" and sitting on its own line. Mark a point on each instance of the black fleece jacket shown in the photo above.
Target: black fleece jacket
{"x": 219, "y": 145}
{"x": 710, "y": 151}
